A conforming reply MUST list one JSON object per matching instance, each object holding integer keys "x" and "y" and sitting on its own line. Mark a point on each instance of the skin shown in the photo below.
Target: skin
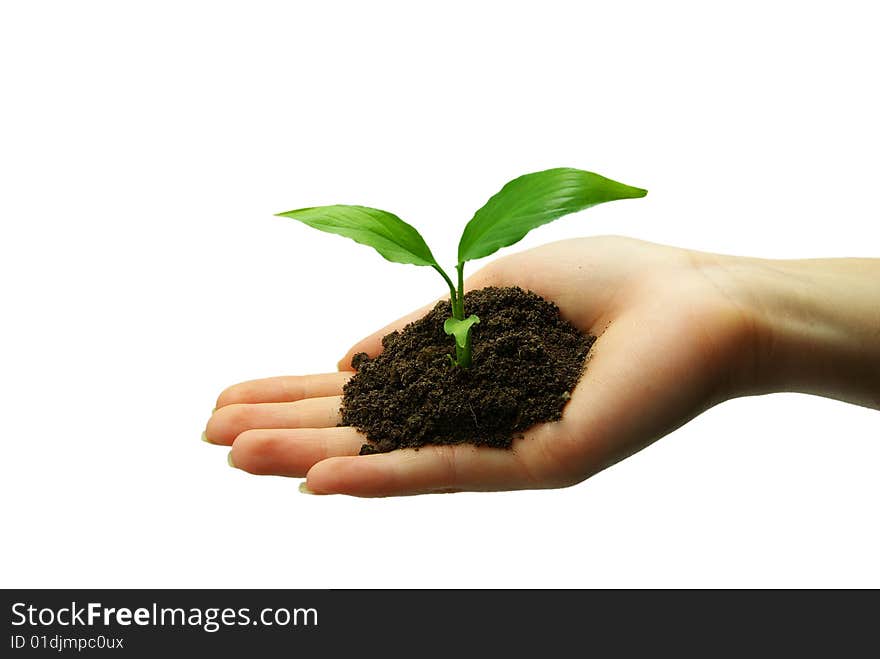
{"x": 679, "y": 331}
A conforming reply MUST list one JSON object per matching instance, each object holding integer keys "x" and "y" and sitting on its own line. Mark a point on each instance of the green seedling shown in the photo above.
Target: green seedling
{"x": 523, "y": 204}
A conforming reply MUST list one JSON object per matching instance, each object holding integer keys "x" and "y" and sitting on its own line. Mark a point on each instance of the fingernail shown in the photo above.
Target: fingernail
{"x": 205, "y": 437}
{"x": 229, "y": 459}
{"x": 304, "y": 488}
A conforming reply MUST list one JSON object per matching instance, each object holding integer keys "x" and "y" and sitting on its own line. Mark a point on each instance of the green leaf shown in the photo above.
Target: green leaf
{"x": 385, "y": 232}
{"x": 532, "y": 200}
{"x": 460, "y": 328}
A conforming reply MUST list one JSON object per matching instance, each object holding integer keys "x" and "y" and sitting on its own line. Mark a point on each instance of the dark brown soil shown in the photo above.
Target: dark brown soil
{"x": 526, "y": 361}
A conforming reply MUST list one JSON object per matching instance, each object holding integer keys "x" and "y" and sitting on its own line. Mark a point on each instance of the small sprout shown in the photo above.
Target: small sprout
{"x": 521, "y": 205}
{"x": 461, "y": 329}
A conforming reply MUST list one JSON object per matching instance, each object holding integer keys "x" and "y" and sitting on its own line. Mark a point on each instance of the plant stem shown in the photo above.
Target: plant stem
{"x": 449, "y": 283}
{"x": 456, "y": 301}
{"x": 462, "y": 355}
{"x": 460, "y": 310}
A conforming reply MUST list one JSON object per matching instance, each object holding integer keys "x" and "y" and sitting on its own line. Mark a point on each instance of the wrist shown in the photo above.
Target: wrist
{"x": 811, "y": 326}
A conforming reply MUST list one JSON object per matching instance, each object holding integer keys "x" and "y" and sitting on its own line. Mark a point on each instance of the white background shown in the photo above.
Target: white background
{"x": 144, "y": 148}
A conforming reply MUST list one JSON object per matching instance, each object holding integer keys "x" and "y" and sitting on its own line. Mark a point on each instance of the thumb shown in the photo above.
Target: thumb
{"x": 372, "y": 345}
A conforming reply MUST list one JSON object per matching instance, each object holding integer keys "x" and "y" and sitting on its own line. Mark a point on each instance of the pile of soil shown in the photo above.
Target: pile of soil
{"x": 526, "y": 361}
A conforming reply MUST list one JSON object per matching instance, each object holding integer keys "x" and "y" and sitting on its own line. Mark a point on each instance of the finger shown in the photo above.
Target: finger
{"x": 230, "y": 421}
{"x": 284, "y": 389}
{"x": 428, "y": 469}
{"x": 292, "y": 452}
{"x": 372, "y": 345}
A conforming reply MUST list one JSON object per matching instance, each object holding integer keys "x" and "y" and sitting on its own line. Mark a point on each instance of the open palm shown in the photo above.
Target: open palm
{"x": 670, "y": 342}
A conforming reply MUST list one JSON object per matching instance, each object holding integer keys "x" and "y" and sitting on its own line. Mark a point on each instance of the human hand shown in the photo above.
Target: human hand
{"x": 670, "y": 344}
{"x": 678, "y": 331}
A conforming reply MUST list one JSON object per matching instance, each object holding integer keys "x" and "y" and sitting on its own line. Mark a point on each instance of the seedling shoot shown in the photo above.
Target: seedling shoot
{"x": 521, "y": 205}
